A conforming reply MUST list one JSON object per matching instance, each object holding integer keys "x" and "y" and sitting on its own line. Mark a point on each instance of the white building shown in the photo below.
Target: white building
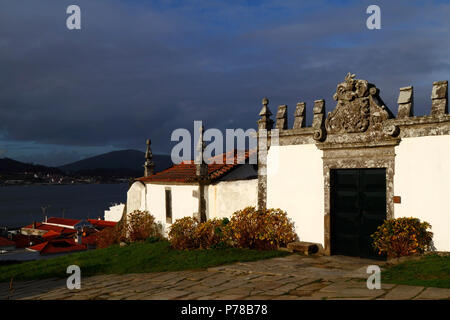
{"x": 174, "y": 193}
{"x": 339, "y": 179}
{"x": 115, "y": 212}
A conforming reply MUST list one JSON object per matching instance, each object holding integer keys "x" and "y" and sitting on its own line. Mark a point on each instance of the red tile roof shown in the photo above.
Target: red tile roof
{"x": 186, "y": 171}
{"x": 57, "y": 246}
{"x": 6, "y": 243}
{"x": 23, "y": 241}
{"x": 51, "y": 234}
{"x": 63, "y": 221}
{"x": 102, "y": 223}
{"x": 48, "y": 227}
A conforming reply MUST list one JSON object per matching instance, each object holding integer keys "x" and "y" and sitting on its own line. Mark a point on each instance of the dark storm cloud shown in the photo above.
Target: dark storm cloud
{"x": 141, "y": 69}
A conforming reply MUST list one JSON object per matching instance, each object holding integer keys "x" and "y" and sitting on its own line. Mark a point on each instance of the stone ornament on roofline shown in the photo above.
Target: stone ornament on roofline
{"x": 265, "y": 122}
{"x": 359, "y": 108}
{"x": 149, "y": 165}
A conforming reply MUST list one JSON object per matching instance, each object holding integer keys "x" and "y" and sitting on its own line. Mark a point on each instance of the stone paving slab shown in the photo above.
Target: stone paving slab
{"x": 435, "y": 294}
{"x": 402, "y": 292}
{"x": 294, "y": 277}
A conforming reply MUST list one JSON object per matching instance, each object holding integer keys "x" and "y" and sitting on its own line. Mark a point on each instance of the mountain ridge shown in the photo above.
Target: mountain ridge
{"x": 126, "y": 160}
{"x": 8, "y": 165}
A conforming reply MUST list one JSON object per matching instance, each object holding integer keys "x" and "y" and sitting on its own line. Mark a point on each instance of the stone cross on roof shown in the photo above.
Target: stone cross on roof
{"x": 201, "y": 166}
{"x": 149, "y": 165}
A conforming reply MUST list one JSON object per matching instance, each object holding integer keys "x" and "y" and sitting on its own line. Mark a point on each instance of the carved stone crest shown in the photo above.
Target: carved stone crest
{"x": 358, "y": 109}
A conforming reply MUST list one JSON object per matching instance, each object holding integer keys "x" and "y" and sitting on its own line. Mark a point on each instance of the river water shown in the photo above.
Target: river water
{"x": 21, "y": 205}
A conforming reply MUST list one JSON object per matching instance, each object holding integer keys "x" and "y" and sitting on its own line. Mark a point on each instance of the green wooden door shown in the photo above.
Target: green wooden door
{"x": 358, "y": 207}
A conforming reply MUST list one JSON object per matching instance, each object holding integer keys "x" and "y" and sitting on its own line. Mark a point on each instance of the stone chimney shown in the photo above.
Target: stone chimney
{"x": 149, "y": 165}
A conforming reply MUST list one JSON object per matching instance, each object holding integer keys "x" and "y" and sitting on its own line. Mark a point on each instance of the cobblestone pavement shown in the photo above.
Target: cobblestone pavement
{"x": 294, "y": 277}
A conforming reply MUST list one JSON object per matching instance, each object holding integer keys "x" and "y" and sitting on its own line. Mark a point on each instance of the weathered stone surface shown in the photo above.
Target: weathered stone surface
{"x": 292, "y": 277}
{"x": 306, "y": 248}
{"x": 301, "y": 293}
{"x": 359, "y": 108}
{"x": 312, "y": 286}
{"x": 405, "y": 103}
{"x": 265, "y": 122}
{"x": 405, "y": 95}
{"x": 300, "y": 119}
{"x": 282, "y": 120}
{"x": 318, "y": 123}
{"x": 435, "y": 294}
{"x": 402, "y": 292}
{"x": 286, "y": 297}
{"x": 439, "y": 101}
{"x": 440, "y": 89}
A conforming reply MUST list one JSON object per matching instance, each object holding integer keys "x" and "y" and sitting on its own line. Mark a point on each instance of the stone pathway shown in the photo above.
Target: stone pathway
{"x": 294, "y": 277}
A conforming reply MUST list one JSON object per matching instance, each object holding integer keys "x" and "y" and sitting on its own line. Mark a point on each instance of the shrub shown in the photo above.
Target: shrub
{"x": 211, "y": 234}
{"x": 138, "y": 226}
{"x": 402, "y": 237}
{"x": 141, "y": 225}
{"x": 182, "y": 233}
{"x": 107, "y": 237}
{"x": 261, "y": 229}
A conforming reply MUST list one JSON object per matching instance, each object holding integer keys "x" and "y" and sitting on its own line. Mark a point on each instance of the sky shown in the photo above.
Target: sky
{"x": 141, "y": 69}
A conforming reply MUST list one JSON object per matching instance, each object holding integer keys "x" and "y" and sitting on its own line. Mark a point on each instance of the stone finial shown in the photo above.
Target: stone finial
{"x": 318, "y": 123}
{"x": 439, "y": 101}
{"x": 281, "y": 123}
{"x": 201, "y": 166}
{"x": 300, "y": 119}
{"x": 405, "y": 103}
{"x": 265, "y": 122}
{"x": 149, "y": 165}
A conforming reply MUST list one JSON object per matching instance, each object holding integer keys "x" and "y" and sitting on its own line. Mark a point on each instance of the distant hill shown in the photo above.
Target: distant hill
{"x": 9, "y": 166}
{"x": 123, "y": 162}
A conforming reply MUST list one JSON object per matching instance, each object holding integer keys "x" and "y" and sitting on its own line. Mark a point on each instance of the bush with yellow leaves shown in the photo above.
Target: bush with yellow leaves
{"x": 402, "y": 237}
{"x": 261, "y": 229}
{"x": 182, "y": 233}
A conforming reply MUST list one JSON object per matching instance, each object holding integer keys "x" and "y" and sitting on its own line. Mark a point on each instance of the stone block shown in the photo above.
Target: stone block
{"x": 306, "y": 248}
{"x": 439, "y": 101}
{"x": 281, "y": 123}
{"x": 405, "y": 103}
{"x": 405, "y": 95}
{"x": 300, "y": 119}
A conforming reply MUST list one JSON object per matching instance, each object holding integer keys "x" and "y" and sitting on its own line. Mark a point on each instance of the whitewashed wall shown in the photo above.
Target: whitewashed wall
{"x": 135, "y": 197}
{"x": 226, "y": 197}
{"x": 422, "y": 179}
{"x": 295, "y": 184}
{"x": 114, "y": 213}
{"x": 184, "y": 204}
{"x": 222, "y": 199}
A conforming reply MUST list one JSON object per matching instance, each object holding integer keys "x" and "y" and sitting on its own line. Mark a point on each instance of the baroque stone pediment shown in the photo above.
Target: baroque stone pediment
{"x": 359, "y": 108}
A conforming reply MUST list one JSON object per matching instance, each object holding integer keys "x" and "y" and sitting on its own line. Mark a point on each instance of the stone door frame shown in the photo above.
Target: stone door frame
{"x": 382, "y": 156}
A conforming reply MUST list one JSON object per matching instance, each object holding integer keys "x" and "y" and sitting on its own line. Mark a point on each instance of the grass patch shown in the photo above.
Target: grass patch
{"x": 134, "y": 258}
{"x": 429, "y": 271}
